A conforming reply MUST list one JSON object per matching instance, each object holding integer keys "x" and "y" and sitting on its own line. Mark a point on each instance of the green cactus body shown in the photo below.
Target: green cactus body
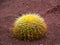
{"x": 29, "y": 27}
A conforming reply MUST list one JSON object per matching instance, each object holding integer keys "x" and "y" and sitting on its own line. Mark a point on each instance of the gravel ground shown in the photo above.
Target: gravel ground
{"x": 48, "y": 9}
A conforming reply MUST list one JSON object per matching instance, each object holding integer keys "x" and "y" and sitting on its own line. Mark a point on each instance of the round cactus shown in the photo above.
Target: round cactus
{"x": 29, "y": 27}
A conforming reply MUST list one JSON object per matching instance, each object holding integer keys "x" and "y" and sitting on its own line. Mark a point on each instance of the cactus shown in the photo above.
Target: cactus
{"x": 29, "y": 27}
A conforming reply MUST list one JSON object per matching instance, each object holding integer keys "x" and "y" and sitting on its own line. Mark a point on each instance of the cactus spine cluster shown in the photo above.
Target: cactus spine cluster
{"x": 29, "y": 27}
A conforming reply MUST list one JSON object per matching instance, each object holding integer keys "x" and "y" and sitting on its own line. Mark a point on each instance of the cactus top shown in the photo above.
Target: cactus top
{"x": 31, "y": 18}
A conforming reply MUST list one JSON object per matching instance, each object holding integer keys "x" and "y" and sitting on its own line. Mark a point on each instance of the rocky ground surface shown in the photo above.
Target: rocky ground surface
{"x": 48, "y": 9}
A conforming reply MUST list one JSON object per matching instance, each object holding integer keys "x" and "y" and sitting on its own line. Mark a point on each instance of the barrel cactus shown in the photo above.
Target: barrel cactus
{"x": 29, "y": 27}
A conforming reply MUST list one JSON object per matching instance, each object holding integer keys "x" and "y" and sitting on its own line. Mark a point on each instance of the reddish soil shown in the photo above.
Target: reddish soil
{"x": 11, "y": 9}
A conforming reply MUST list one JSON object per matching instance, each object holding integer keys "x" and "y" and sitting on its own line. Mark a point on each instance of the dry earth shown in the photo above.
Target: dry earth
{"x": 48, "y": 9}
